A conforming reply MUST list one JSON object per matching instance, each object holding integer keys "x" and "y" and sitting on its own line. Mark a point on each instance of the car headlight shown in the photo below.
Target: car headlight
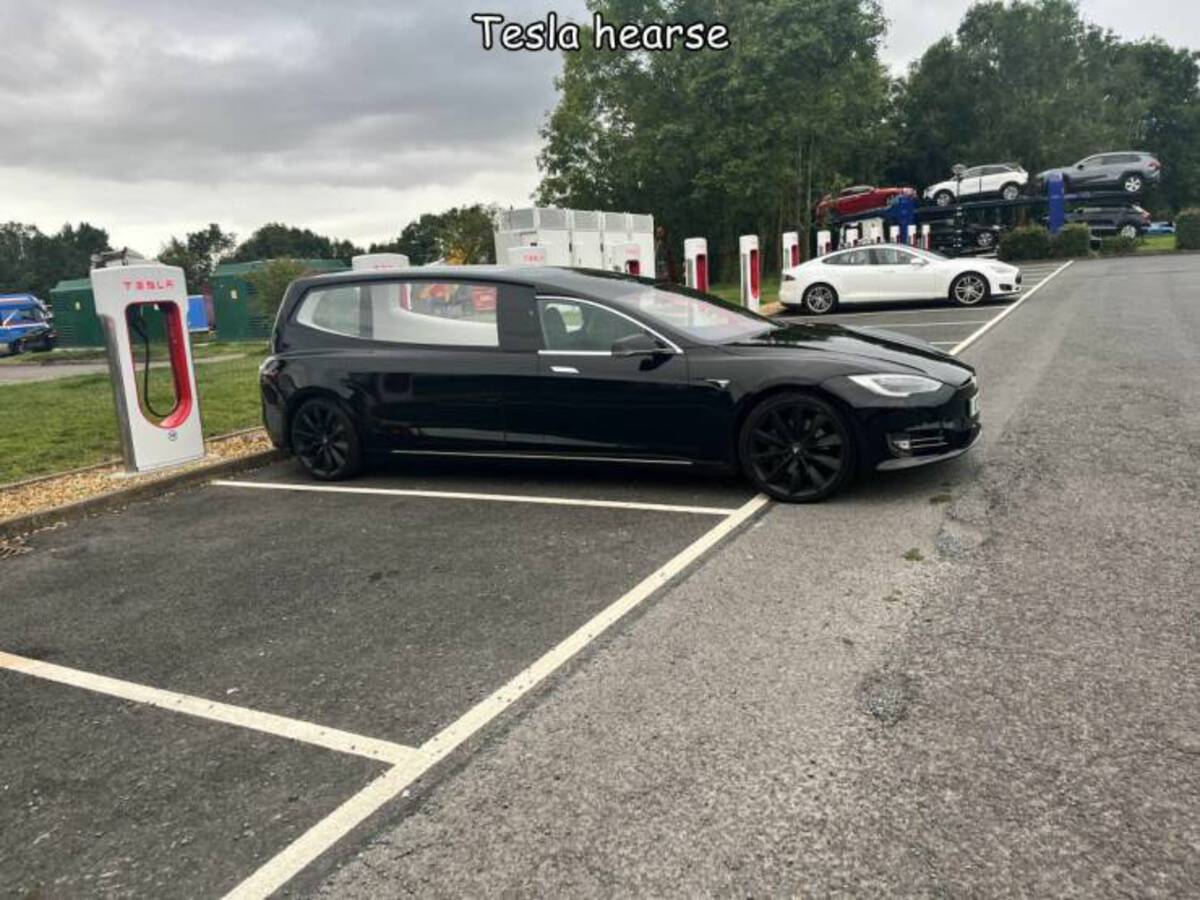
{"x": 897, "y": 385}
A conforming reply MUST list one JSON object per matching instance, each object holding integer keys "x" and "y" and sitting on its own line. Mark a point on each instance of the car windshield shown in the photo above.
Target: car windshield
{"x": 697, "y": 315}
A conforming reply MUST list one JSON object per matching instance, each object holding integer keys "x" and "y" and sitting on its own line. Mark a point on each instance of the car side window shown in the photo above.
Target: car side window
{"x": 438, "y": 313}
{"x": 1091, "y": 162}
{"x": 973, "y": 173}
{"x": 891, "y": 256}
{"x": 570, "y": 326}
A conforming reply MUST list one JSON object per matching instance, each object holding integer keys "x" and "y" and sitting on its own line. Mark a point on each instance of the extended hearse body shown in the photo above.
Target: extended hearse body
{"x": 562, "y": 363}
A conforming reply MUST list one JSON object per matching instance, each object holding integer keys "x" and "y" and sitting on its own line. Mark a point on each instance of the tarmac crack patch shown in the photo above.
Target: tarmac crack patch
{"x": 887, "y": 696}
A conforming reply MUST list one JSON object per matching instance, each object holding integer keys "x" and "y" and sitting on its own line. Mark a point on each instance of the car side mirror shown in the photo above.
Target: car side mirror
{"x": 638, "y": 344}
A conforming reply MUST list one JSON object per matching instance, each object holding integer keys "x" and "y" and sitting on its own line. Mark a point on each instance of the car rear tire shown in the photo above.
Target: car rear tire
{"x": 1133, "y": 183}
{"x": 326, "y": 441}
{"x": 797, "y": 448}
{"x": 819, "y": 299}
{"x": 1010, "y": 191}
{"x": 969, "y": 289}
{"x": 943, "y": 198}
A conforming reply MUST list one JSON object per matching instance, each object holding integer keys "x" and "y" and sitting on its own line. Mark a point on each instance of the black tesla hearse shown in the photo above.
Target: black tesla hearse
{"x": 555, "y": 363}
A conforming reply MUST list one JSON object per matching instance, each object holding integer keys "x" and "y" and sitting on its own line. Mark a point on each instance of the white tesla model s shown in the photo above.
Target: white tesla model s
{"x": 891, "y": 272}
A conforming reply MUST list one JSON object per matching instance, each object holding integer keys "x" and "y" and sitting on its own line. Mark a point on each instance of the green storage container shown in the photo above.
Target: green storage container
{"x": 75, "y": 314}
{"x": 238, "y": 318}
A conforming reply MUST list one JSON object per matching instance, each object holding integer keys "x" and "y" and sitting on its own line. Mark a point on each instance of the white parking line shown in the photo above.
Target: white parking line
{"x": 932, "y": 324}
{"x": 323, "y": 835}
{"x": 924, "y": 310}
{"x": 280, "y": 726}
{"x": 959, "y": 348}
{"x": 457, "y": 495}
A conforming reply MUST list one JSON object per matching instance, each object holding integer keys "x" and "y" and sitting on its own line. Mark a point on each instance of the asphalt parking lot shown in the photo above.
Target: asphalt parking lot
{"x": 942, "y": 324}
{"x": 208, "y": 693}
{"x": 252, "y": 653}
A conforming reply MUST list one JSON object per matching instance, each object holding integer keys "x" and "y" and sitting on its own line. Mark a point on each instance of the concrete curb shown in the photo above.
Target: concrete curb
{"x": 82, "y": 509}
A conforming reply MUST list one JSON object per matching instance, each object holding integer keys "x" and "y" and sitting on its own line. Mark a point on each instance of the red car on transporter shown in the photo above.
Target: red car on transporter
{"x": 860, "y": 198}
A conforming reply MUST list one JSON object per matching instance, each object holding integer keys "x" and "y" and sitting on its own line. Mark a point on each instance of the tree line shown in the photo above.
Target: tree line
{"x": 34, "y": 262}
{"x": 747, "y": 140}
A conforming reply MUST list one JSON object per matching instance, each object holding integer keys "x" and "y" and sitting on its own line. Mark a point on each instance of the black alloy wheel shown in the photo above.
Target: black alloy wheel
{"x": 797, "y": 448}
{"x": 325, "y": 441}
{"x": 985, "y": 240}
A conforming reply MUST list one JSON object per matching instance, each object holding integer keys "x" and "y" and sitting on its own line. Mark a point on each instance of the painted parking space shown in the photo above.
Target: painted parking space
{"x": 378, "y": 627}
{"x": 940, "y": 323}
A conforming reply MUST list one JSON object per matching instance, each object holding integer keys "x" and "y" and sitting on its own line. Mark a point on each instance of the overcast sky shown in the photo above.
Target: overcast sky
{"x": 155, "y": 117}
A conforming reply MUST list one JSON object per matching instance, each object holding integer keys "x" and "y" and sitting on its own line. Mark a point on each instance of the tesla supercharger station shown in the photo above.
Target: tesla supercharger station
{"x": 751, "y": 271}
{"x": 397, "y": 294}
{"x": 894, "y": 234}
{"x": 824, "y": 242}
{"x": 791, "y": 249}
{"x": 527, "y": 256}
{"x": 695, "y": 262}
{"x": 850, "y": 237}
{"x": 626, "y": 257}
{"x": 925, "y": 236}
{"x": 376, "y": 261}
{"x": 151, "y": 438}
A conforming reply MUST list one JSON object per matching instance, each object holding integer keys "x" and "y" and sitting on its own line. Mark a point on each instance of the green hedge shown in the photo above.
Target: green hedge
{"x": 1187, "y": 230}
{"x": 1025, "y": 242}
{"x": 1073, "y": 240}
{"x": 1119, "y": 246}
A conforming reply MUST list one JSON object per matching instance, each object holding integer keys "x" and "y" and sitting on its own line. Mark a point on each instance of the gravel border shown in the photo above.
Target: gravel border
{"x": 115, "y": 499}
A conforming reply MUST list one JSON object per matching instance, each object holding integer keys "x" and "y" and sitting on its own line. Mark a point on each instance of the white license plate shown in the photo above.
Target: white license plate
{"x": 973, "y": 406}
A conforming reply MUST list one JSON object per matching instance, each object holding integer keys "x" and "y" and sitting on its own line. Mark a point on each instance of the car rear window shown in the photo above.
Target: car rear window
{"x": 437, "y": 313}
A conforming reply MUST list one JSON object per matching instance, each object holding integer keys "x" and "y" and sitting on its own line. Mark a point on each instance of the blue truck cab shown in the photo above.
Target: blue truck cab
{"x": 26, "y": 323}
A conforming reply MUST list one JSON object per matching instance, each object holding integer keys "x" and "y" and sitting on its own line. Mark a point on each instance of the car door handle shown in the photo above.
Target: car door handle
{"x": 564, "y": 370}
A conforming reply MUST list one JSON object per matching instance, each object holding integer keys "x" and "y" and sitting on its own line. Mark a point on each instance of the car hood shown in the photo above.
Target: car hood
{"x": 867, "y": 346}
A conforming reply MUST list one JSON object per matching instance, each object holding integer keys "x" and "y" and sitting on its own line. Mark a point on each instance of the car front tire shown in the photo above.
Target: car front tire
{"x": 943, "y": 198}
{"x": 819, "y": 299}
{"x": 797, "y": 448}
{"x": 969, "y": 289}
{"x": 1010, "y": 191}
{"x": 325, "y": 440}
{"x": 1133, "y": 183}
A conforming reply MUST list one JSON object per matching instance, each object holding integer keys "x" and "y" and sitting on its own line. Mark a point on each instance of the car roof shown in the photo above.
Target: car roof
{"x": 598, "y": 283}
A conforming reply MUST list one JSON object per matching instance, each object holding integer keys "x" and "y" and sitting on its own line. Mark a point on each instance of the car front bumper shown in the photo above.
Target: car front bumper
{"x": 903, "y": 437}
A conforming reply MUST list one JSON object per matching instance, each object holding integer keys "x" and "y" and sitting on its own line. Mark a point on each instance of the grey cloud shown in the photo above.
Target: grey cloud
{"x": 338, "y": 94}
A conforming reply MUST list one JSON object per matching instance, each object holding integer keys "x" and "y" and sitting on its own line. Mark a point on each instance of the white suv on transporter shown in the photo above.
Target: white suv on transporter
{"x": 1007, "y": 180}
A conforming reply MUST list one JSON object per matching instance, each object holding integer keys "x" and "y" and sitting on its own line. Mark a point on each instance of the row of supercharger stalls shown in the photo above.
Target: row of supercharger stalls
{"x": 583, "y": 238}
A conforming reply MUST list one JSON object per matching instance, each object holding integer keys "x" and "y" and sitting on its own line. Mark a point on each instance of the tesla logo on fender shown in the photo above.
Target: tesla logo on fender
{"x": 149, "y": 284}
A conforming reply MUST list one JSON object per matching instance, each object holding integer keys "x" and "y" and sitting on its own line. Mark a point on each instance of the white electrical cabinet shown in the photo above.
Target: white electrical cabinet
{"x": 588, "y": 239}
